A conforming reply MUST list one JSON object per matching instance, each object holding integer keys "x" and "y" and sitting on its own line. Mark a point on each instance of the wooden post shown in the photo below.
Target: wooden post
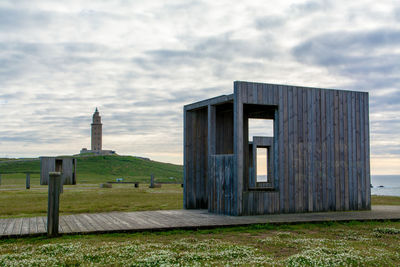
{"x": 53, "y": 203}
{"x": 152, "y": 181}
{"x": 28, "y": 181}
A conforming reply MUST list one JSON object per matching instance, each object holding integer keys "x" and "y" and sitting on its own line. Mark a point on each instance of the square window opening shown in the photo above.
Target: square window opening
{"x": 261, "y": 127}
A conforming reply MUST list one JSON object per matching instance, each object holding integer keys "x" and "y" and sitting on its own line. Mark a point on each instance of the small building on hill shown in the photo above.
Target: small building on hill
{"x": 65, "y": 165}
{"x": 317, "y": 158}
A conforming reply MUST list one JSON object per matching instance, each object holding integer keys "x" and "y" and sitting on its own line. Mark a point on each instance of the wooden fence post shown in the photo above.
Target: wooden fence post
{"x": 152, "y": 181}
{"x": 53, "y": 203}
{"x": 28, "y": 181}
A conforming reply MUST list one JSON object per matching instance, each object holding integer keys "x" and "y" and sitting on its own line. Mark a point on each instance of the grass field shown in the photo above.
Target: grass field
{"x": 98, "y": 169}
{"x": 90, "y": 198}
{"x": 329, "y": 244}
{"x": 323, "y": 244}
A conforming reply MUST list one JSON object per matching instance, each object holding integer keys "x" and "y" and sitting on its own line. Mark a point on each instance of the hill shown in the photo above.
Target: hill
{"x": 95, "y": 169}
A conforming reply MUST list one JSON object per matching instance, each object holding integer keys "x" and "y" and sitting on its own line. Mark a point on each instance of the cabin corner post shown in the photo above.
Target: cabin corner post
{"x": 238, "y": 147}
{"x": 184, "y": 158}
{"x": 211, "y": 150}
{"x": 367, "y": 151}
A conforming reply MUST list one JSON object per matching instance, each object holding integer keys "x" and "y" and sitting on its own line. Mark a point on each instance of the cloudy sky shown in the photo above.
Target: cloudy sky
{"x": 140, "y": 61}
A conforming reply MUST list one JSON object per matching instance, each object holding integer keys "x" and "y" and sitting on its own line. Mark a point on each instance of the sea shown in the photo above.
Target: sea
{"x": 385, "y": 185}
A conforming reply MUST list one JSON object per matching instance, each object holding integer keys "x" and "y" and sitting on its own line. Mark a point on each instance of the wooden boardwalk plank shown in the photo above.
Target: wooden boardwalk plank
{"x": 104, "y": 221}
{"x": 153, "y": 219}
{"x": 138, "y": 221}
{"x": 93, "y": 222}
{"x": 64, "y": 225}
{"x": 71, "y": 223}
{"x": 158, "y": 220}
{"x": 112, "y": 221}
{"x": 42, "y": 224}
{"x": 9, "y": 228}
{"x": 121, "y": 222}
{"x": 125, "y": 220}
{"x": 25, "y": 226}
{"x": 33, "y": 229}
{"x": 135, "y": 221}
{"x": 83, "y": 227}
{"x": 3, "y": 225}
{"x": 16, "y": 230}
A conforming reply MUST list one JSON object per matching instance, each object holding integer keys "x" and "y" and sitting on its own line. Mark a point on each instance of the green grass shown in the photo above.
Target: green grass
{"x": 385, "y": 200}
{"x": 91, "y": 199}
{"x": 100, "y": 169}
{"x": 322, "y": 244}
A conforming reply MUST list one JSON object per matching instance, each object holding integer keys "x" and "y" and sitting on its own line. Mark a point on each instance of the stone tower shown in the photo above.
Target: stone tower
{"x": 96, "y": 132}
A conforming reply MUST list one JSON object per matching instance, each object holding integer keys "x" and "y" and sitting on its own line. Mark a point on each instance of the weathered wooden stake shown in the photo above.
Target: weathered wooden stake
{"x": 53, "y": 203}
{"x": 152, "y": 181}
{"x": 28, "y": 181}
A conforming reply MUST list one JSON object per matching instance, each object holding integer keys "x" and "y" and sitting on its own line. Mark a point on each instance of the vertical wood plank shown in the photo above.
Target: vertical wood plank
{"x": 313, "y": 150}
{"x": 305, "y": 149}
{"x": 367, "y": 152}
{"x": 349, "y": 150}
{"x": 211, "y": 145}
{"x": 362, "y": 151}
{"x": 300, "y": 149}
{"x": 318, "y": 149}
{"x": 358, "y": 152}
{"x": 341, "y": 152}
{"x": 258, "y": 87}
{"x": 238, "y": 151}
{"x": 354, "y": 151}
{"x": 281, "y": 151}
{"x": 286, "y": 148}
{"x": 324, "y": 192}
{"x": 337, "y": 159}
{"x": 310, "y": 151}
{"x": 290, "y": 145}
{"x": 295, "y": 148}
{"x": 345, "y": 150}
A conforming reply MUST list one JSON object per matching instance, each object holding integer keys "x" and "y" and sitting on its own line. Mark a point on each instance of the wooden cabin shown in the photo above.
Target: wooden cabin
{"x": 67, "y": 167}
{"x": 317, "y": 154}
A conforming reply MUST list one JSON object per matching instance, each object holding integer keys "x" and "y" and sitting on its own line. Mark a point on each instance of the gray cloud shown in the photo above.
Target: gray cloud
{"x": 348, "y": 50}
{"x": 14, "y": 19}
{"x": 309, "y": 7}
{"x": 268, "y": 22}
{"x": 221, "y": 48}
{"x": 141, "y": 61}
{"x": 368, "y": 58}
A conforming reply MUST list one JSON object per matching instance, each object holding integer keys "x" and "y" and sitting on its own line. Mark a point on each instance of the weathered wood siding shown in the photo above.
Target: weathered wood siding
{"x": 48, "y": 164}
{"x": 195, "y": 158}
{"x": 220, "y": 184}
{"x": 260, "y": 202}
{"x": 224, "y": 129}
{"x": 321, "y": 149}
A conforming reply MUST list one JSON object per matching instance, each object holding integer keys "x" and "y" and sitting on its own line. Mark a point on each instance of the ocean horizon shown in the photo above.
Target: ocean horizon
{"x": 385, "y": 185}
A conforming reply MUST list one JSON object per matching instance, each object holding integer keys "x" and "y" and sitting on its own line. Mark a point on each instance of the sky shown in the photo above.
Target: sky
{"x": 140, "y": 61}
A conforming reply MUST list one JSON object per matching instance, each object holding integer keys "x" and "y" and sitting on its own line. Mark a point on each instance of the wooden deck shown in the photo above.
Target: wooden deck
{"x": 176, "y": 219}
